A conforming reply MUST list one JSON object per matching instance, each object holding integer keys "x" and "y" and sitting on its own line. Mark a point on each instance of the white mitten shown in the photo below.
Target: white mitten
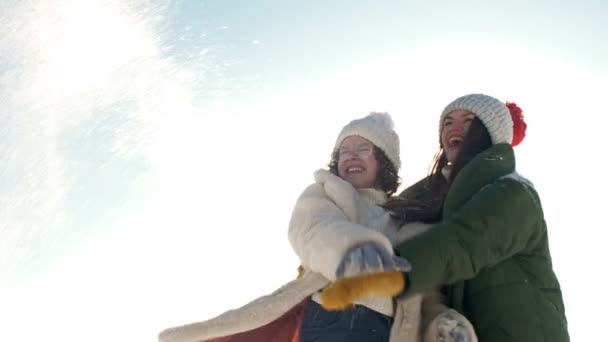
{"x": 450, "y": 326}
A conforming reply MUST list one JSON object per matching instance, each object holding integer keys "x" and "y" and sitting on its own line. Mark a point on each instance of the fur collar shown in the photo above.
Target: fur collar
{"x": 372, "y": 195}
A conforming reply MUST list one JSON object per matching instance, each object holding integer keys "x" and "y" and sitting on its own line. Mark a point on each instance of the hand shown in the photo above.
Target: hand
{"x": 451, "y": 326}
{"x": 344, "y": 292}
{"x": 370, "y": 258}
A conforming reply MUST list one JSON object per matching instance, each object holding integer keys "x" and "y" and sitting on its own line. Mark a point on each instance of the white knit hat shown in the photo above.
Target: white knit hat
{"x": 494, "y": 114}
{"x": 378, "y": 128}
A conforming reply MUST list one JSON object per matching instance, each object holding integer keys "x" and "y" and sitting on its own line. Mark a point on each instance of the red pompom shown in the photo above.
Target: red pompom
{"x": 519, "y": 125}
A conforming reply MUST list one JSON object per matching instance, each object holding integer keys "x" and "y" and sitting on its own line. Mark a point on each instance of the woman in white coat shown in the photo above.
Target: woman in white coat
{"x": 341, "y": 210}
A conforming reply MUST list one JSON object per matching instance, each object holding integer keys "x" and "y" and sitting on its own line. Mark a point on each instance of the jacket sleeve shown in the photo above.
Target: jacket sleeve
{"x": 321, "y": 234}
{"x": 495, "y": 224}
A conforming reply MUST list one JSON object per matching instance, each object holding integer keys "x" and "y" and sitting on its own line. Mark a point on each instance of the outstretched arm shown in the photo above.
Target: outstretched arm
{"x": 321, "y": 234}
{"x": 498, "y": 222}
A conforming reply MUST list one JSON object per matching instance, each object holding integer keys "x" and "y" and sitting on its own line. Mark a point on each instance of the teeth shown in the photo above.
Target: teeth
{"x": 455, "y": 139}
{"x": 354, "y": 169}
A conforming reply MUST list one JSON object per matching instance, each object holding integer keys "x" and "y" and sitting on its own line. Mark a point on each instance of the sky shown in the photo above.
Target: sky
{"x": 152, "y": 151}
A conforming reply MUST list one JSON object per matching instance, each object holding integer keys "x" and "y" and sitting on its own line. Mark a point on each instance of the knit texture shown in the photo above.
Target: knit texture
{"x": 379, "y": 129}
{"x": 493, "y": 114}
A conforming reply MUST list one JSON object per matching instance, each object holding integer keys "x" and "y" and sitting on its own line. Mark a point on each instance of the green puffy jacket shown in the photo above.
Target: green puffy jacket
{"x": 492, "y": 252}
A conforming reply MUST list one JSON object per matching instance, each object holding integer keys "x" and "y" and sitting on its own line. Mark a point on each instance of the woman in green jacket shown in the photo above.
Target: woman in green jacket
{"x": 490, "y": 249}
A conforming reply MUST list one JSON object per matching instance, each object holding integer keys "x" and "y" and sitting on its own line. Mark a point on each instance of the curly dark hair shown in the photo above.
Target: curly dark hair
{"x": 387, "y": 180}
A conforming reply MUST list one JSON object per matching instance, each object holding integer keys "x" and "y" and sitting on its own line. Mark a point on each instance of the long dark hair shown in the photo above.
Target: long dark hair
{"x": 387, "y": 179}
{"x": 436, "y": 185}
{"x": 477, "y": 140}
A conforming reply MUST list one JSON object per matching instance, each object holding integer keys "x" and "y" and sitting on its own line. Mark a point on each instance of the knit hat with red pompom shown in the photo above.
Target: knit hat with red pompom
{"x": 504, "y": 121}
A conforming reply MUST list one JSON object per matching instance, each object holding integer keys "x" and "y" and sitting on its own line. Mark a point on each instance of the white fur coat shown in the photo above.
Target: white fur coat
{"x": 330, "y": 216}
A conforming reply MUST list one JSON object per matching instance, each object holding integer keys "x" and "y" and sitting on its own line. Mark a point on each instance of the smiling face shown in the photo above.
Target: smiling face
{"x": 357, "y": 163}
{"x": 454, "y": 129}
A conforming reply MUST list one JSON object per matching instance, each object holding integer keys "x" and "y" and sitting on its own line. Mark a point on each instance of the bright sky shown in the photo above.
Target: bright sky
{"x": 152, "y": 153}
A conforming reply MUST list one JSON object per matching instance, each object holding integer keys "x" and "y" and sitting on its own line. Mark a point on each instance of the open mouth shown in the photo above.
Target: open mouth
{"x": 354, "y": 169}
{"x": 455, "y": 142}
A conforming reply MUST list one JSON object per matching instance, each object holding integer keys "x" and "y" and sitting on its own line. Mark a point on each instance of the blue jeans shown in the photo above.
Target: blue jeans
{"x": 358, "y": 324}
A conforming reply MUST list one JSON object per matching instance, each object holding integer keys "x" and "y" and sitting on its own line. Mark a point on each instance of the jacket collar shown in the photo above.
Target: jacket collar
{"x": 374, "y": 196}
{"x": 483, "y": 169}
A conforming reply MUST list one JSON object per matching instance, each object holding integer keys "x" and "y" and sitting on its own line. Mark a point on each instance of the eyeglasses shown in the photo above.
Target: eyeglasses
{"x": 362, "y": 151}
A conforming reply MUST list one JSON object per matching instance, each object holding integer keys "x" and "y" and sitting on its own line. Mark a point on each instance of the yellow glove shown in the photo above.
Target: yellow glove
{"x": 342, "y": 293}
